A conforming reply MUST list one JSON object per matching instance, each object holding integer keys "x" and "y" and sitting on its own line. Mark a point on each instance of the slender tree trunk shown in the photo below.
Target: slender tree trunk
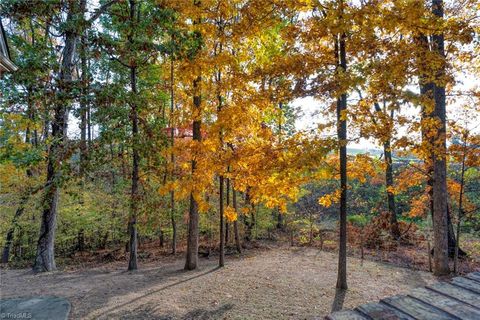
{"x": 227, "y": 225}
{"x": 310, "y": 221}
{"x": 235, "y": 223}
{"x": 280, "y": 223}
{"x": 83, "y": 103}
{"x": 31, "y": 111}
{"x": 221, "y": 261}
{"x": 440, "y": 194}
{"x": 112, "y": 171}
{"x": 192, "y": 238}
{"x": 161, "y": 238}
{"x": 279, "y": 215}
{"x": 133, "y": 243}
{"x": 89, "y": 124}
{"x": 460, "y": 208}
{"x": 81, "y": 240}
{"x": 387, "y": 151}
{"x": 390, "y": 195}
{"x": 172, "y": 158}
{"x": 249, "y": 224}
{"x": 45, "y": 260}
{"x": 342, "y": 138}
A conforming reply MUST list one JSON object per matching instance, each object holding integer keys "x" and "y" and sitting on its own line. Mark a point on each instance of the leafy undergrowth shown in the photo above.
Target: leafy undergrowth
{"x": 413, "y": 255}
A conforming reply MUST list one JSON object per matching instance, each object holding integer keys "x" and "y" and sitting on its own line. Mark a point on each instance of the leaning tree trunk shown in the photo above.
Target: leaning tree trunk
{"x": 45, "y": 260}
{"x": 342, "y": 140}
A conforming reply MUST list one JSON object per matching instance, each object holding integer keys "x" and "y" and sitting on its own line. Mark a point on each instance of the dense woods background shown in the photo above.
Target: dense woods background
{"x": 133, "y": 125}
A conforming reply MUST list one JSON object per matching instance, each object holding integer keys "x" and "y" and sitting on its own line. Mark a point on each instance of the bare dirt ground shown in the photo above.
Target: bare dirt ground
{"x": 275, "y": 283}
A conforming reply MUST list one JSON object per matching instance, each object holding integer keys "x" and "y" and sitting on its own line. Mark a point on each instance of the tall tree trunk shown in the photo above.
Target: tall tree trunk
{"x": 440, "y": 194}
{"x": 223, "y": 235}
{"x": 172, "y": 158}
{"x": 192, "y": 238}
{"x": 132, "y": 263}
{"x": 45, "y": 260}
{"x": 426, "y": 91}
{"x": 235, "y": 223}
{"x": 342, "y": 140}
{"x": 277, "y": 213}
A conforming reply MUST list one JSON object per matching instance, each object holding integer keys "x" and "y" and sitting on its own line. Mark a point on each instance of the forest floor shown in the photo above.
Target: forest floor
{"x": 270, "y": 282}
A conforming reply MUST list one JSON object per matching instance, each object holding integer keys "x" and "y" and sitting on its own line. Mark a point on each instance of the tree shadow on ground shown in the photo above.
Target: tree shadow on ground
{"x": 338, "y": 300}
{"x": 161, "y": 289}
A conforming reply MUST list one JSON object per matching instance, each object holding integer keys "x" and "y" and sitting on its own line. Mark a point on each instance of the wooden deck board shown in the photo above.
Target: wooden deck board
{"x": 456, "y": 292}
{"x": 467, "y": 284}
{"x": 417, "y": 309}
{"x": 473, "y": 276}
{"x": 447, "y": 304}
{"x": 458, "y": 299}
{"x": 378, "y": 311}
{"x": 346, "y": 315}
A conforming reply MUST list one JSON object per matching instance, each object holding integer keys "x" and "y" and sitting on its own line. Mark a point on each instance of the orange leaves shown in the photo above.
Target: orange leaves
{"x": 230, "y": 214}
{"x": 329, "y": 199}
{"x": 362, "y": 167}
{"x": 419, "y": 205}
